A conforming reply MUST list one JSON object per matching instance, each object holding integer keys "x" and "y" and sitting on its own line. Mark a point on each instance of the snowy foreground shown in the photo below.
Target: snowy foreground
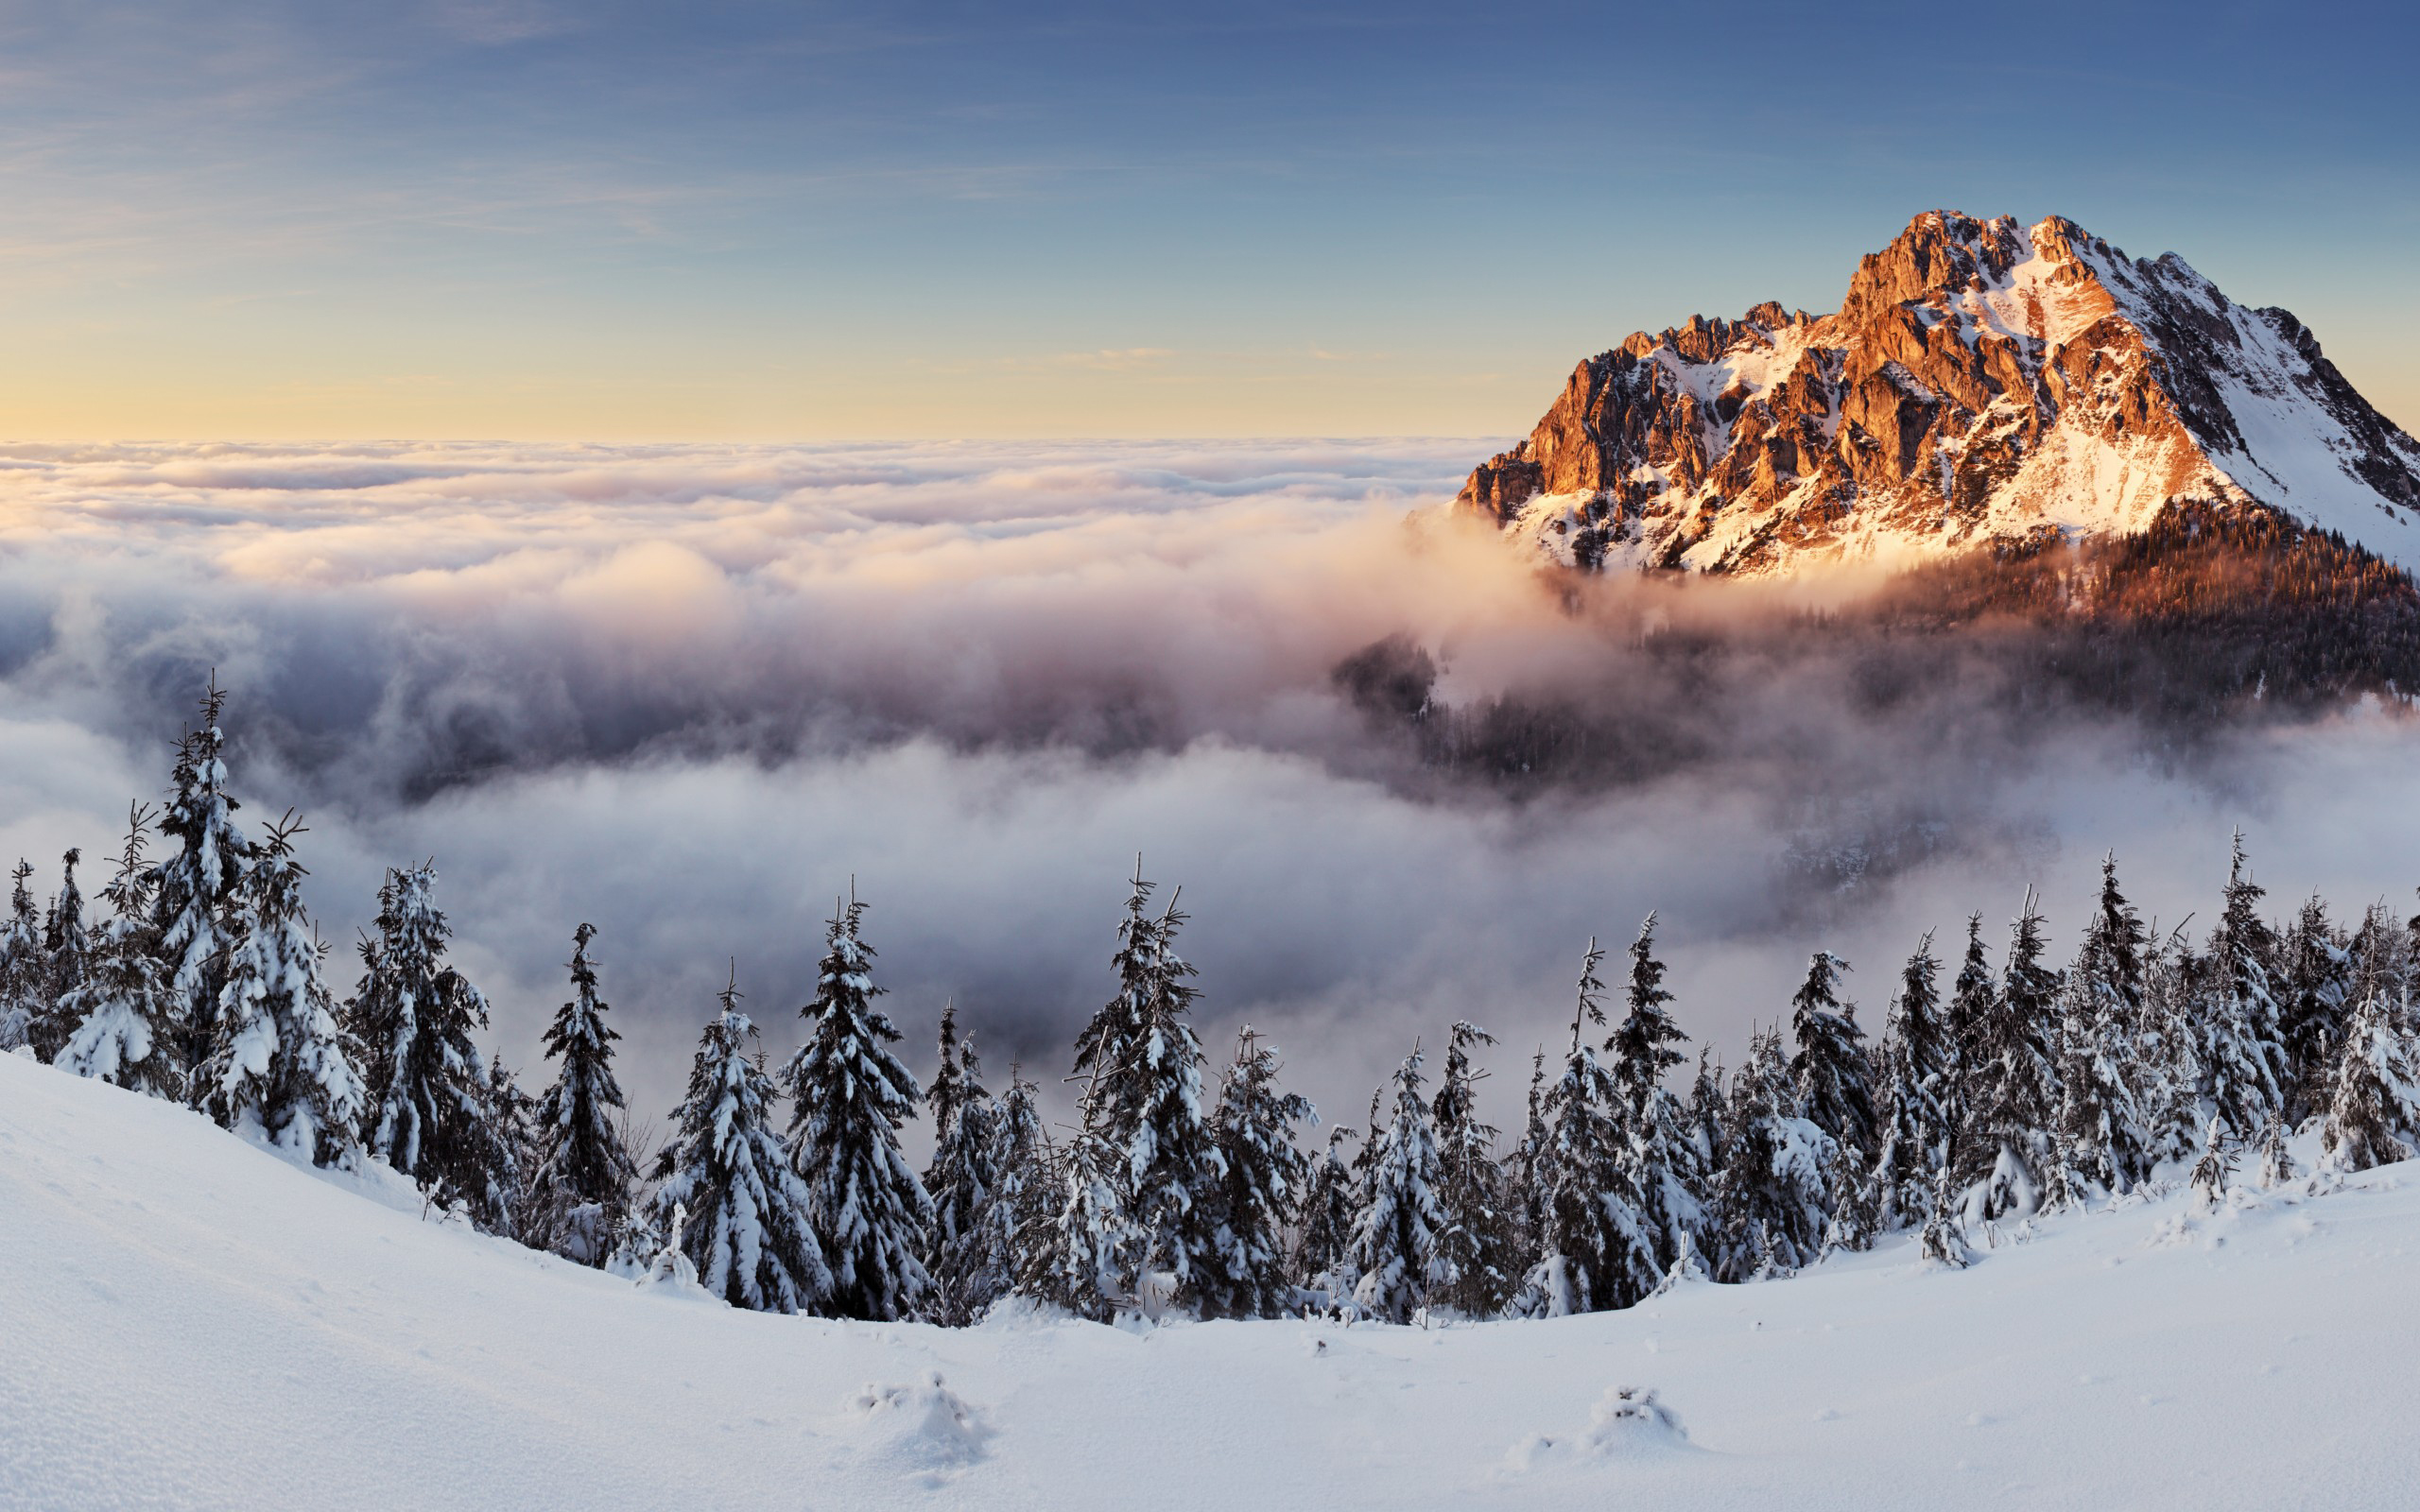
{"x": 186, "y": 1321}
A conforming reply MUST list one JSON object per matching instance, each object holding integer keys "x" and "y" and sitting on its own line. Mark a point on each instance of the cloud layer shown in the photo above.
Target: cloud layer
{"x": 689, "y": 694}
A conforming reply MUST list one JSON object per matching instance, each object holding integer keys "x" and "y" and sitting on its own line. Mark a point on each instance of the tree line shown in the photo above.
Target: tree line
{"x": 1996, "y": 1092}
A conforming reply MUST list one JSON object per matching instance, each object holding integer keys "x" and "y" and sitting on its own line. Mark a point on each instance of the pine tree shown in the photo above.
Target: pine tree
{"x": 24, "y": 971}
{"x": 1661, "y": 1166}
{"x": 2014, "y": 1073}
{"x": 1773, "y": 1193}
{"x": 983, "y": 1264}
{"x": 2243, "y": 1056}
{"x": 1834, "y": 1079}
{"x": 1323, "y": 1233}
{"x": 960, "y": 1180}
{"x": 2103, "y": 1144}
{"x": 2373, "y": 1103}
{"x": 1084, "y": 1256}
{"x": 850, "y": 1095}
{"x": 2168, "y": 1046}
{"x": 2316, "y": 963}
{"x": 1475, "y": 1242}
{"x": 1266, "y": 1174}
{"x": 1527, "y": 1209}
{"x": 196, "y": 889}
{"x": 427, "y": 1080}
{"x": 510, "y": 1116}
{"x": 1596, "y": 1252}
{"x": 1147, "y": 1101}
{"x": 282, "y": 1070}
{"x": 124, "y": 1020}
{"x": 2216, "y": 1167}
{"x": 726, "y": 1196}
{"x": 584, "y": 1174}
{"x": 1919, "y": 1076}
{"x": 1395, "y": 1239}
{"x": 67, "y": 951}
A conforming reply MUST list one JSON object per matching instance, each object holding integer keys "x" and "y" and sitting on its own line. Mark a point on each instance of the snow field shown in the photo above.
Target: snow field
{"x": 188, "y": 1320}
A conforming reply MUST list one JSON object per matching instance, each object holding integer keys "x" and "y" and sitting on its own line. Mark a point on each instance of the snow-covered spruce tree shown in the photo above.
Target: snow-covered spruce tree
{"x": 2373, "y": 1103}
{"x": 2102, "y": 1142}
{"x": 1083, "y": 1257}
{"x": 2244, "y": 1055}
{"x": 2215, "y": 1169}
{"x": 2315, "y": 978}
{"x": 1266, "y": 1172}
{"x": 67, "y": 955}
{"x": 1524, "y": 1209}
{"x": 746, "y": 1228}
{"x": 2013, "y": 1101}
{"x": 1395, "y": 1239}
{"x": 2169, "y": 1045}
{"x": 512, "y": 1117}
{"x": 1705, "y": 1119}
{"x": 1973, "y": 998}
{"x": 282, "y": 1071}
{"x": 1596, "y": 1254}
{"x": 1146, "y": 1103}
{"x": 1662, "y": 1167}
{"x": 982, "y": 1265}
{"x": 961, "y": 1179}
{"x": 584, "y": 1174}
{"x": 849, "y": 1095}
{"x": 1834, "y": 1079}
{"x": 194, "y": 889}
{"x": 1323, "y": 1226}
{"x": 1477, "y": 1242}
{"x": 1772, "y": 1195}
{"x": 427, "y": 1079}
{"x": 124, "y": 1020}
{"x": 24, "y": 972}
{"x": 1918, "y": 1073}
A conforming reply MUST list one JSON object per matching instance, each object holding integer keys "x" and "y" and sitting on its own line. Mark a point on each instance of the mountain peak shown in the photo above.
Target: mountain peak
{"x": 1981, "y": 381}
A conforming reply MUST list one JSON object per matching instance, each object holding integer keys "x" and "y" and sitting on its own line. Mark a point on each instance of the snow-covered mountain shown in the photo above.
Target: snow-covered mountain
{"x": 1981, "y": 381}
{"x": 188, "y": 1320}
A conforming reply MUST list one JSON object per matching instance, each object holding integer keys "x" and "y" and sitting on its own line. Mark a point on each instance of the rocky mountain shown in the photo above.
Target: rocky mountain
{"x": 1982, "y": 385}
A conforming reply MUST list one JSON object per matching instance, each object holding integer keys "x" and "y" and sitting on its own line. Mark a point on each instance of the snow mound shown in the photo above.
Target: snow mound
{"x": 924, "y": 1431}
{"x": 1626, "y": 1422}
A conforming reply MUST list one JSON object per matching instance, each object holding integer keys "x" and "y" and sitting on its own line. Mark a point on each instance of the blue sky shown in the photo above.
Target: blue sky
{"x": 608, "y": 221}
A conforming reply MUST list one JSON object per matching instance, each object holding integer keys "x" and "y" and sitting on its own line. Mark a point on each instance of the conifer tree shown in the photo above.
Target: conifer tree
{"x": 1835, "y": 1081}
{"x": 2006, "y": 1147}
{"x": 2216, "y": 1167}
{"x": 1661, "y": 1165}
{"x": 1475, "y": 1242}
{"x": 2168, "y": 1046}
{"x": 1919, "y": 1074}
{"x": 1596, "y": 1252}
{"x": 2374, "y": 1102}
{"x": 1323, "y": 1232}
{"x": 726, "y": 1196}
{"x": 67, "y": 956}
{"x": 124, "y": 1020}
{"x": 1266, "y": 1174}
{"x": 2243, "y": 1056}
{"x": 282, "y": 1070}
{"x": 1974, "y": 999}
{"x": 2315, "y": 979}
{"x": 196, "y": 888}
{"x": 983, "y": 1264}
{"x": 583, "y": 1173}
{"x": 2104, "y": 1140}
{"x": 1147, "y": 1102}
{"x": 1084, "y": 1257}
{"x": 23, "y": 970}
{"x": 849, "y": 1095}
{"x": 961, "y": 1179}
{"x": 1395, "y": 1239}
{"x": 427, "y": 1081}
{"x": 1772, "y": 1200}
{"x": 1526, "y": 1210}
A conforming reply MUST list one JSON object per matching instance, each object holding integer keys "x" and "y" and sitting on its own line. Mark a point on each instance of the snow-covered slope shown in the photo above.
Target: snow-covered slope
{"x": 1980, "y": 382}
{"x": 186, "y": 1321}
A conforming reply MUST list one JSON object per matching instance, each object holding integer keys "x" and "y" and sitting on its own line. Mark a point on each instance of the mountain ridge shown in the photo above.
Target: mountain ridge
{"x": 1982, "y": 386}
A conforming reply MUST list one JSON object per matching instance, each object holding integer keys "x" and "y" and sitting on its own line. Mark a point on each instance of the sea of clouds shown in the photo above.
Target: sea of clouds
{"x": 691, "y": 694}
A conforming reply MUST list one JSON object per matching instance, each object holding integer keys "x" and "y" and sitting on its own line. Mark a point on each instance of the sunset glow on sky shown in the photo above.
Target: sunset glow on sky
{"x": 549, "y": 221}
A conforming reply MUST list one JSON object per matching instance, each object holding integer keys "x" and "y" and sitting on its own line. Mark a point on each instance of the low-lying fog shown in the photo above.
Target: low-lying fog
{"x": 689, "y": 693}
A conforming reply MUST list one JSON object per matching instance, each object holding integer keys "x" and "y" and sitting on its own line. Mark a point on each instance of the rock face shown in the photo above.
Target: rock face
{"x": 1981, "y": 383}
